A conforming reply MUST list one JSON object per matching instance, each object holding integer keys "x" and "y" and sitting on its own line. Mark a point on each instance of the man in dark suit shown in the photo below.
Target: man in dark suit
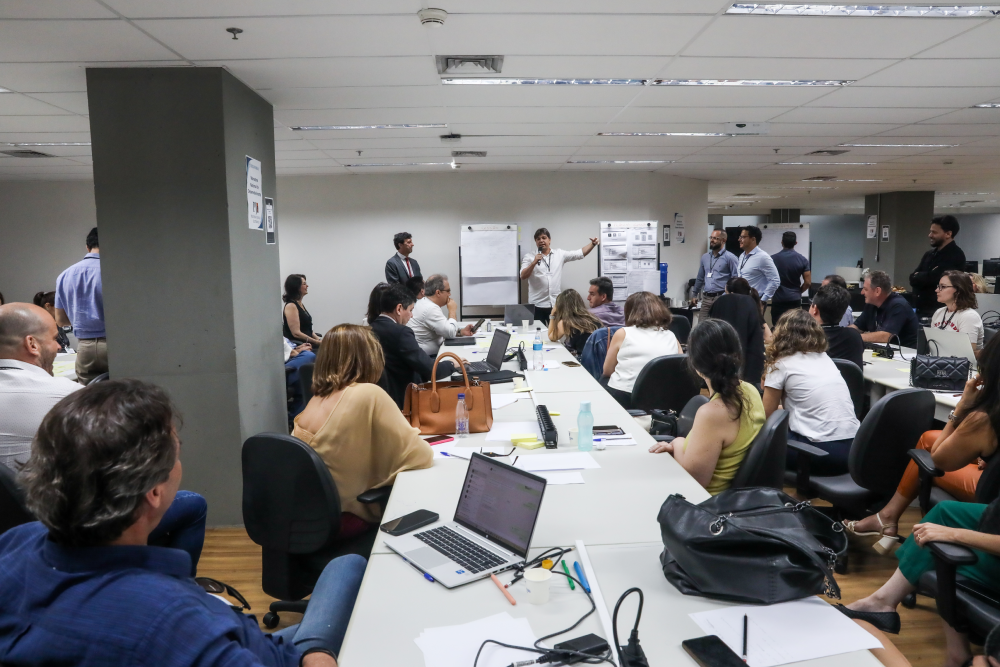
{"x": 401, "y": 267}
{"x": 405, "y": 362}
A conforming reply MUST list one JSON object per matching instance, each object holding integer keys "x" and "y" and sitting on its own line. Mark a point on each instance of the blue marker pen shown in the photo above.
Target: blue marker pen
{"x": 428, "y": 577}
{"x": 583, "y": 577}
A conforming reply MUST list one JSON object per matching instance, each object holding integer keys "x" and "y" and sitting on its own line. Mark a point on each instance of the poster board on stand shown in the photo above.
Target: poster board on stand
{"x": 630, "y": 256}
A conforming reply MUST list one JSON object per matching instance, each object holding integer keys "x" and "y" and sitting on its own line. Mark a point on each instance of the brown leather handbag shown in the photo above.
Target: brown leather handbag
{"x": 430, "y": 406}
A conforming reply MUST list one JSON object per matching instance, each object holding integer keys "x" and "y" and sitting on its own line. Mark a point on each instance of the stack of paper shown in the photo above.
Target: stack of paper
{"x": 567, "y": 461}
{"x": 456, "y": 645}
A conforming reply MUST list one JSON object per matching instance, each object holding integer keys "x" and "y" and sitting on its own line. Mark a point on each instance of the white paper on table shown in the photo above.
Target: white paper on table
{"x": 786, "y": 632}
{"x": 564, "y": 461}
{"x": 456, "y": 645}
{"x": 549, "y": 365}
{"x": 562, "y": 477}
{"x": 502, "y": 431}
{"x": 503, "y": 400}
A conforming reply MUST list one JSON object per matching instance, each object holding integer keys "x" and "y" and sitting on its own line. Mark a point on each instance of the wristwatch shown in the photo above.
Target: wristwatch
{"x": 316, "y": 650}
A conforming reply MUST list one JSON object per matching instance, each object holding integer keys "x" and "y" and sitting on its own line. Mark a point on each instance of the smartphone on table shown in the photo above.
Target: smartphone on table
{"x": 710, "y": 651}
{"x": 411, "y": 521}
{"x": 438, "y": 439}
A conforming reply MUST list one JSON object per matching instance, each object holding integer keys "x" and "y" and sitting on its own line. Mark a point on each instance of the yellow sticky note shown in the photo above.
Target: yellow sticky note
{"x": 554, "y": 414}
{"x": 530, "y": 445}
{"x": 522, "y": 390}
{"x": 522, "y": 437}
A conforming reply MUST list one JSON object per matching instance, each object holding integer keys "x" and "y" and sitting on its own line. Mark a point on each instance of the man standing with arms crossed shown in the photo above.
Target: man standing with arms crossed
{"x": 80, "y": 302}
{"x": 543, "y": 271}
{"x": 756, "y": 265}
{"x": 718, "y": 265}
{"x": 944, "y": 255}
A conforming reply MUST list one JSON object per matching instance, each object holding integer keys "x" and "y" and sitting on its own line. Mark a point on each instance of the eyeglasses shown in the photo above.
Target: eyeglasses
{"x": 214, "y": 586}
{"x": 941, "y": 287}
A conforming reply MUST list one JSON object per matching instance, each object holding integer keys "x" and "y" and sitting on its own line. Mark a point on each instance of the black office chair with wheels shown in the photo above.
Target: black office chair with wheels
{"x": 686, "y": 418}
{"x": 12, "y": 509}
{"x": 291, "y": 508}
{"x": 306, "y": 381}
{"x": 665, "y": 383}
{"x": 681, "y": 326}
{"x": 764, "y": 464}
{"x": 855, "y": 379}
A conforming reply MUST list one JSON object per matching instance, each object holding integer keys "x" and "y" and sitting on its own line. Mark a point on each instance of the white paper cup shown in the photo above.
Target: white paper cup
{"x": 518, "y": 383}
{"x": 573, "y": 439}
{"x": 537, "y": 580}
{"x": 525, "y": 324}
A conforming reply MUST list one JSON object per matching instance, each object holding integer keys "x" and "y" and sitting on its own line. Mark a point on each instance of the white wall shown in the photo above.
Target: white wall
{"x": 979, "y": 236}
{"x": 337, "y": 230}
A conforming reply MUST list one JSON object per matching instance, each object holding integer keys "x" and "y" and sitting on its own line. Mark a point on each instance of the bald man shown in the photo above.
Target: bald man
{"x": 28, "y": 346}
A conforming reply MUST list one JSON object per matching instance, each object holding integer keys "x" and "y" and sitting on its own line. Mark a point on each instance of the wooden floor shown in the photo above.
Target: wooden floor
{"x": 231, "y": 557}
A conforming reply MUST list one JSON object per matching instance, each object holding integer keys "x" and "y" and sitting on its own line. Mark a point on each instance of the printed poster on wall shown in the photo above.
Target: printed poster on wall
{"x": 872, "y": 224}
{"x": 679, "y": 227}
{"x": 269, "y": 221}
{"x": 255, "y": 194}
{"x": 628, "y": 255}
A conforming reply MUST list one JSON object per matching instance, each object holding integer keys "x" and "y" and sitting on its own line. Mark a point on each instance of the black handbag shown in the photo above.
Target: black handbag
{"x": 756, "y": 545}
{"x": 939, "y": 373}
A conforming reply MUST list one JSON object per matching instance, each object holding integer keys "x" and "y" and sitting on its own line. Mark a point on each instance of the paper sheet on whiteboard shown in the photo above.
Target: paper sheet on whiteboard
{"x": 489, "y": 266}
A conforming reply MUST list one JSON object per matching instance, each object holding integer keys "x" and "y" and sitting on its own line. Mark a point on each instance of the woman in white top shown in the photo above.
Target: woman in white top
{"x": 799, "y": 375}
{"x": 955, "y": 291}
{"x": 643, "y": 338}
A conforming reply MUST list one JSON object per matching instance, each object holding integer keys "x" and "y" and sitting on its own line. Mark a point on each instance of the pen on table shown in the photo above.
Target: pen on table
{"x": 572, "y": 586}
{"x": 506, "y": 593}
{"x": 581, "y": 575}
{"x": 744, "y": 637}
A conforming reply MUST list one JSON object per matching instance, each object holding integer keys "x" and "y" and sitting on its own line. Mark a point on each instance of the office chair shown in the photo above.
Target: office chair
{"x": 764, "y": 464}
{"x": 855, "y": 379}
{"x": 686, "y": 418}
{"x": 12, "y": 509}
{"x": 988, "y": 334}
{"x": 306, "y": 381}
{"x": 100, "y": 378}
{"x": 681, "y": 326}
{"x": 665, "y": 383}
{"x": 518, "y": 312}
{"x": 291, "y": 508}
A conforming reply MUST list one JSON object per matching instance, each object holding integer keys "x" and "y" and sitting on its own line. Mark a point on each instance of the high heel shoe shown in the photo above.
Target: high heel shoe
{"x": 885, "y": 544}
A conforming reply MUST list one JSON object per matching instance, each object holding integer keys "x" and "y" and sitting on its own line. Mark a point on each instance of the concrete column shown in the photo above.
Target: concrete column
{"x": 192, "y": 294}
{"x": 908, "y": 216}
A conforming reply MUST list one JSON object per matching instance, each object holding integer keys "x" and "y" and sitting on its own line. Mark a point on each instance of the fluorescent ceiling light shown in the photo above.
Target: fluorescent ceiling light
{"x": 857, "y": 180}
{"x": 52, "y": 143}
{"x": 900, "y": 145}
{"x": 401, "y": 164}
{"x": 619, "y": 161}
{"x": 866, "y": 164}
{"x": 749, "y": 82}
{"x": 964, "y": 193}
{"x": 920, "y": 11}
{"x": 405, "y": 126}
{"x": 665, "y": 134}
{"x": 799, "y": 187}
{"x": 4, "y": 90}
{"x": 989, "y": 105}
{"x": 496, "y": 81}
{"x": 738, "y": 197}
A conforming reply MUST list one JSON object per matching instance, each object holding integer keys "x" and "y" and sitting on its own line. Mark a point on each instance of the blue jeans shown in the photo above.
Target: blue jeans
{"x": 292, "y": 379}
{"x": 834, "y": 463}
{"x": 330, "y": 606}
{"x": 183, "y": 526}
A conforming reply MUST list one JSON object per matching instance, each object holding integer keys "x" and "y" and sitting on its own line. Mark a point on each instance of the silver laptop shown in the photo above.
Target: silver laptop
{"x": 949, "y": 344}
{"x": 492, "y": 530}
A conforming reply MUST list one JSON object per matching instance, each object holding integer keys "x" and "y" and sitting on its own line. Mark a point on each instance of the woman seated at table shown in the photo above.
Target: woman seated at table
{"x": 954, "y": 290}
{"x": 297, "y": 323}
{"x": 571, "y": 323}
{"x": 969, "y": 436}
{"x": 979, "y": 284}
{"x": 725, "y": 426}
{"x": 644, "y": 337}
{"x": 799, "y": 375}
{"x": 971, "y": 524}
{"x": 355, "y": 426}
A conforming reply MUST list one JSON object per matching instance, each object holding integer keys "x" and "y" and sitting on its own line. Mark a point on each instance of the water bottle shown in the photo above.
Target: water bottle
{"x": 537, "y": 361}
{"x": 462, "y": 418}
{"x": 585, "y": 428}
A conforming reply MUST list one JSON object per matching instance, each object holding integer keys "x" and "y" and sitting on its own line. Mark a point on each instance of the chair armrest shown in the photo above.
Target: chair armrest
{"x": 925, "y": 463}
{"x": 379, "y": 495}
{"x": 637, "y": 413}
{"x": 806, "y": 452}
{"x": 663, "y": 438}
{"x": 811, "y": 450}
{"x": 953, "y": 554}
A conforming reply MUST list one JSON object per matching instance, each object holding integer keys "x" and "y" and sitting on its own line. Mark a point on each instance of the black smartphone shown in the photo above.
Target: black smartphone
{"x": 478, "y": 324}
{"x": 710, "y": 651}
{"x": 571, "y": 364}
{"x": 438, "y": 439}
{"x": 411, "y": 521}
{"x": 608, "y": 430}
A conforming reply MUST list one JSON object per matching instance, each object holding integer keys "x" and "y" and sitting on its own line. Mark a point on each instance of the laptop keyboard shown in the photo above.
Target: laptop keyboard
{"x": 465, "y": 552}
{"x": 480, "y": 367}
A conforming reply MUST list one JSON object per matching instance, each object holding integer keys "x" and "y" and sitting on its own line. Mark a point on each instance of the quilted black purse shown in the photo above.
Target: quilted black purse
{"x": 939, "y": 373}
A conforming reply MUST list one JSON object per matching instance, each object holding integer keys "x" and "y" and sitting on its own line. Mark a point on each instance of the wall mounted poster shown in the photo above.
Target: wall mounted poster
{"x": 255, "y": 194}
{"x": 629, "y": 256}
{"x": 269, "y": 221}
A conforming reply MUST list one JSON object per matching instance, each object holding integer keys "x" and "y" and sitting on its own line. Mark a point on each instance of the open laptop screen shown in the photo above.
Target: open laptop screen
{"x": 500, "y": 503}
{"x": 497, "y": 349}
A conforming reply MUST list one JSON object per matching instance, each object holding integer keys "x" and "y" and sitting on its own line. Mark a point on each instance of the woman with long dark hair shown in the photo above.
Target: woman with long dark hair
{"x": 725, "y": 426}
{"x": 375, "y": 302}
{"x": 571, "y": 322}
{"x": 297, "y": 322}
{"x": 47, "y": 300}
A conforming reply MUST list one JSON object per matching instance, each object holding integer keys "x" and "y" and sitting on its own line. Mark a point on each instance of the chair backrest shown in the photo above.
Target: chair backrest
{"x": 988, "y": 486}
{"x": 855, "y": 379}
{"x": 764, "y": 464}
{"x": 306, "y": 381}
{"x": 596, "y": 349}
{"x": 685, "y": 420}
{"x": 290, "y": 501}
{"x": 681, "y": 326}
{"x": 12, "y": 509}
{"x": 100, "y": 378}
{"x": 665, "y": 383}
{"x": 988, "y": 333}
{"x": 891, "y": 428}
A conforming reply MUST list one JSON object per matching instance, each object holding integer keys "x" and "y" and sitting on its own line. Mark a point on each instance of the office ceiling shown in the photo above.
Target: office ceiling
{"x": 365, "y": 62}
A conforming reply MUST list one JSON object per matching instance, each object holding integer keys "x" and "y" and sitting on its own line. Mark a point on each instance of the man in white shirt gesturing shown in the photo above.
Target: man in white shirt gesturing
{"x": 430, "y": 327}
{"x": 543, "y": 271}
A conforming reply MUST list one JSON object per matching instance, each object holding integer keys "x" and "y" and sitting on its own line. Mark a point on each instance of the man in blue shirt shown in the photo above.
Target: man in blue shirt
{"x": 795, "y": 277}
{"x": 717, "y": 266}
{"x": 756, "y": 265}
{"x": 886, "y": 314}
{"x": 80, "y": 303}
{"x": 82, "y": 587}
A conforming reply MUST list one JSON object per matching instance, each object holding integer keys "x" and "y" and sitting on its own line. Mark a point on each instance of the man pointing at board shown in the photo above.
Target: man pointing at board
{"x": 543, "y": 271}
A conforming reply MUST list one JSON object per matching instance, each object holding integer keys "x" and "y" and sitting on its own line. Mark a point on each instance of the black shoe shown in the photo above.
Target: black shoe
{"x": 886, "y": 621}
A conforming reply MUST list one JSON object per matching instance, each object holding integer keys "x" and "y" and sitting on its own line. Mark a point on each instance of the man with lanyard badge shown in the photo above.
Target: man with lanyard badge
{"x": 543, "y": 271}
{"x": 718, "y": 265}
{"x": 756, "y": 265}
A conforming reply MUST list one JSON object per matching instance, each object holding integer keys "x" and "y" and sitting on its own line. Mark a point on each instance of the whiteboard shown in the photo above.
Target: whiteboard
{"x": 771, "y": 240}
{"x": 490, "y": 265}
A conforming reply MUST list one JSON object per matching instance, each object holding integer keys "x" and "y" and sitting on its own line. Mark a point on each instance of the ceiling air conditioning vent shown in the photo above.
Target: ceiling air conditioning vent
{"x": 821, "y": 178}
{"x": 468, "y": 153}
{"x": 25, "y": 153}
{"x": 469, "y": 65}
{"x": 744, "y": 194}
{"x": 830, "y": 153}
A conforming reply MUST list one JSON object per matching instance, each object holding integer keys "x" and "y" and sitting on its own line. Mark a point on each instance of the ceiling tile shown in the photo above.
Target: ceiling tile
{"x": 71, "y": 102}
{"x": 359, "y": 97}
{"x": 814, "y": 114}
{"x": 376, "y": 116}
{"x": 935, "y": 73}
{"x": 240, "y": 8}
{"x": 729, "y": 96}
{"x": 12, "y": 104}
{"x": 925, "y": 97}
{"x": 720, "y": 114}
{"x": 74, "y": 41}
{"x": 331, "y": 72}
{"x": 982, "y": 42}
{"x": 752, "y": 66}
{"x": 53, "y": 9}
{"x": 44, "y": 124}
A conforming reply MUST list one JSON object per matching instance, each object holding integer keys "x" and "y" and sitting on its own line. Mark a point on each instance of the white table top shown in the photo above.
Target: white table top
{"x": 893, "y": 374}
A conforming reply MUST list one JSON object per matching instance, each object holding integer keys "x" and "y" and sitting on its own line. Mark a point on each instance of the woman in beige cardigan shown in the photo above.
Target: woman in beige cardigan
{"x": 355, "y": 426}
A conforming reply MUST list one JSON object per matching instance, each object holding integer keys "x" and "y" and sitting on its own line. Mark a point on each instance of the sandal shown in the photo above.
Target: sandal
{"x": 885, "y": 544}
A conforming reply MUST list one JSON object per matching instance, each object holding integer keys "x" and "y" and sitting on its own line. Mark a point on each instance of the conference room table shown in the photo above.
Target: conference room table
{"x": 613, "y": 513}
{"x": 887, "y": 375}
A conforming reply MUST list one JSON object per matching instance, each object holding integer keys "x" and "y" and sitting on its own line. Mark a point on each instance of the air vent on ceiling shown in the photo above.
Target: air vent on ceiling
{"x": 468, "y": 153}
{"x": 24, "y": 153}
{"x": 744, "y": 194}
{"x": 821, "y": 178}
{"x": 830, "y": 153}
{"x": 469, "y": 65}
{"x": 451, "y": 138}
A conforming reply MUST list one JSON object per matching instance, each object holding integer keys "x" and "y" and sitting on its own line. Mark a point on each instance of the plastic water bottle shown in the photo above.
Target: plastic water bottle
{"x": 585, "y": 428}
{"x": 462, "y": 418}
{"x": 537, "y": 361}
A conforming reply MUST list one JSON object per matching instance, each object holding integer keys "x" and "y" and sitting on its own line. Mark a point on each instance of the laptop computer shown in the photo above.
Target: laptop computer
{"x": 498, "y": 348}
{"x": 949, "y": 344}
{"x": 491, "y": 532}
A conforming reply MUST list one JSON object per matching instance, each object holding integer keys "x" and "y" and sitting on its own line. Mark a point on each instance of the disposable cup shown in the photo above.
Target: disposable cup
{"x": 573, "y": 439}
{"x": 518, "y": 383}
{"x": 525, "y": 324}
{"x": 537, "y": 580}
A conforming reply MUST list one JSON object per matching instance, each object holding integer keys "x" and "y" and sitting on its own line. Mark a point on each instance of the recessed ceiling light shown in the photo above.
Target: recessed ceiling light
{"x": 989, "y": 105}
{"x": 496, "y": 81}
{"x": 749, "y": 82}
{"x": 51, "y": 143}
{"x": 401, "y": 164}
{"x": 619, "y": 161}
{"x": 404, "y": 126}
{"x": 866, "y": 164}
{"x": 900, "y": 145}
{"x": 782, "y": 9}
{"x": 665, "y": 134}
